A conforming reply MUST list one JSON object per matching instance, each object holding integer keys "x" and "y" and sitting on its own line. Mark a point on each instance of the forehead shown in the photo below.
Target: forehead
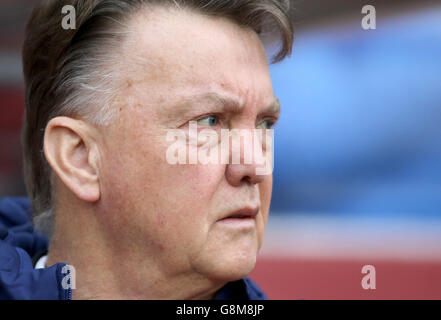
{"x": 171, "y": 52}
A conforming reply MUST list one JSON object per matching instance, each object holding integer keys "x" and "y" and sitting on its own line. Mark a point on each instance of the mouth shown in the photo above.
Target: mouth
{"x": 244, "y": 218}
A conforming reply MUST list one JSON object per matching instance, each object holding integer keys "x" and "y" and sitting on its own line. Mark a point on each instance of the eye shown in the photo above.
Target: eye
{"x": 266, "y": 124}
{"x": 210, "y": 121}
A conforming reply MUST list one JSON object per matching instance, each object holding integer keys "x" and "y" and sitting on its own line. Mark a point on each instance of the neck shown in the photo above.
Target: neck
{"x": 107, "y": 268}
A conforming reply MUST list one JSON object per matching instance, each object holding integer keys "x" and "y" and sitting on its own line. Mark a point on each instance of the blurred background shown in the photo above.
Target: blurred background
{"x": 357, "y": 177}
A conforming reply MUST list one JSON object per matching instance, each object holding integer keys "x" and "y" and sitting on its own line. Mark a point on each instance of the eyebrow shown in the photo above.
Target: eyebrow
{"x": 228, "y": 104}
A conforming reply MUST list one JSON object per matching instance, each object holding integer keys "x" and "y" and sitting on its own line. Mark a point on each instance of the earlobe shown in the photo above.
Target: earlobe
{"x": 71, "y": 152}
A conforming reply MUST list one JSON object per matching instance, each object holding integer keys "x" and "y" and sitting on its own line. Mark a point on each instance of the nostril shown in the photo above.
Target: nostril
{"x": 247, "y": 179}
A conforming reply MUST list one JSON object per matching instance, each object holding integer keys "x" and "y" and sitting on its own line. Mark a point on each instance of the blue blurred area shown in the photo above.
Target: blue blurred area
{"x": 360, "y": 128}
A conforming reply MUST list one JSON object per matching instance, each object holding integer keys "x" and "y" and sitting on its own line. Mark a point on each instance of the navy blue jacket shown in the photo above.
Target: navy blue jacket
{"x": 19, "y": 244}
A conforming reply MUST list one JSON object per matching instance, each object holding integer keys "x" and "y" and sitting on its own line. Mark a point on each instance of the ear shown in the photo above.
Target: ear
{"x": 72, "y": 153}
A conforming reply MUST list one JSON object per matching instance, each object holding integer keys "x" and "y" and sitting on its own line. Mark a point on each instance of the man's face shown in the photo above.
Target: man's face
{"x": 172, "y": 214}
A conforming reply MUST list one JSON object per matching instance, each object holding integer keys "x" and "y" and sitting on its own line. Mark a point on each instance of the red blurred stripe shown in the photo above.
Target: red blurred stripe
{"x": 290, "y": 278}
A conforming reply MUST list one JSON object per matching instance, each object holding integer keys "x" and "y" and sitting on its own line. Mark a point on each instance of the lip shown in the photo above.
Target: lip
{"x": 247, "y": 213}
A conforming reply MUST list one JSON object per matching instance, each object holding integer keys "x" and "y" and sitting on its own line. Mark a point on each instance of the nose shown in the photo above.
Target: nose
{"x": 246, "y": 159}
{"x": 237, "y": 174}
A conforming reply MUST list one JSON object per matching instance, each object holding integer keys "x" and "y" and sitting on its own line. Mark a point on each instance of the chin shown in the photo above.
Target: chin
{"x": 233, "y": 265}
{"x": 240, "y": 268}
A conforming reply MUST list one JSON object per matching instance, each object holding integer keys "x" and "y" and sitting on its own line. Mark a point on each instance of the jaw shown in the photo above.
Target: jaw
{"x": 227, "y": 255}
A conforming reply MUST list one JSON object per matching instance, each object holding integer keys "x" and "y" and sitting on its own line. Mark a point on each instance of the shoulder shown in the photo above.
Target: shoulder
{"x": 14, "y": 211}
{"x": 18, "y": 244}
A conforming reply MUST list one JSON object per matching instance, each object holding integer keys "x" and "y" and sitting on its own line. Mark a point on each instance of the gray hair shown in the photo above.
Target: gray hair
{"x": 67, "y": 71}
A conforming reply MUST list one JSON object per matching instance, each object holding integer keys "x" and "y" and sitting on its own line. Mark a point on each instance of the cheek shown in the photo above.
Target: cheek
{"x": 170, "y": 201}
{"x": 265, "y": 190}
{"x": 163, "y": 203}
{"x": 176, "y": 211}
